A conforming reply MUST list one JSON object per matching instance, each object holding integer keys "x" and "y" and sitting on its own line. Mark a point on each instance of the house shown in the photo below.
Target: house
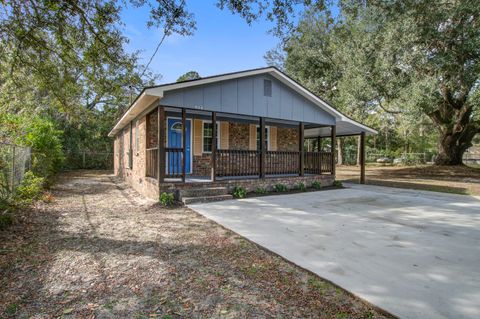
{"x": 247, "y": 128}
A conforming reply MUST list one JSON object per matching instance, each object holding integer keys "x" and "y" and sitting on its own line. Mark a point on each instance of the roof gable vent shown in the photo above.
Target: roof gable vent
{"x": 267, "y": 88}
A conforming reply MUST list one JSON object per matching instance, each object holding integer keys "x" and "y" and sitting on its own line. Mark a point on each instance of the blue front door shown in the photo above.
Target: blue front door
{"x": 174, "y": 129}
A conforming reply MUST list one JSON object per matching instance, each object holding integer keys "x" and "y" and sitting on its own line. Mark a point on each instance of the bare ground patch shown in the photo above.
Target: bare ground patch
{"x": 448, "y": 179}
{"x": 100, "y": 250}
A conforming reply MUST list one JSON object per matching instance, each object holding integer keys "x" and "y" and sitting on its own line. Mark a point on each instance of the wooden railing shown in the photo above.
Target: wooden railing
{"x": 174, "y": 162}
{"x": 237, "y": 163}
{"x": 326, "y": 161}
{"x": 282, "y": 162}
{"x": 151, "y": 163}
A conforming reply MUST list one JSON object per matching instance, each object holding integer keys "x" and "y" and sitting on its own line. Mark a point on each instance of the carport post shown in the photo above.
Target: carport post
{"x": 301, "y": 142}
{"x": 362, "y": 158}
{"x": 333, "y": 138}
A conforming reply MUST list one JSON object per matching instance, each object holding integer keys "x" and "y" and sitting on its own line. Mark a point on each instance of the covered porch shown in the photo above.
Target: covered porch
{"x": 174, "y": 141}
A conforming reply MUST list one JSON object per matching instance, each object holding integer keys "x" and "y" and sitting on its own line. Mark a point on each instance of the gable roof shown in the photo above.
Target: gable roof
{"x": 149, "y": 94}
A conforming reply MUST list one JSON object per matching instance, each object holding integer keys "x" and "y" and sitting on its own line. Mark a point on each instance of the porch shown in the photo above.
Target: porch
{"x": 190, "y": 156}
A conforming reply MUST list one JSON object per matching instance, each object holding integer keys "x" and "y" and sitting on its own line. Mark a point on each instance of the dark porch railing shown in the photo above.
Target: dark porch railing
{"x": 237, "y": 163}
{"x": 282, "y": 162}
{"x": 174, "y": 162}
{"x": 247, "y": 163}
{"x": 151, "y": 164}
{"x": 326, "y": 161}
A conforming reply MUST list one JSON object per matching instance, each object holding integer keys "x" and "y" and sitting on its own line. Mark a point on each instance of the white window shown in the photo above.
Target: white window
{"x": 207, "y": 136}
{"x": 267, "y": 137}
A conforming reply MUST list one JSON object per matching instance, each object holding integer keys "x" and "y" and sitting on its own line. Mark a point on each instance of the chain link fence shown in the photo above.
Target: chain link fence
{"x": 88, "y": 160}
{"x": 14, "y": 162}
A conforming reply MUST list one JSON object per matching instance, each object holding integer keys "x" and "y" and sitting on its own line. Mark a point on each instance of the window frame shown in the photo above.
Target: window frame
{"x": 267, "y": 127}
{"x": 137, "y": 138}
{"x": 203, "y": 135}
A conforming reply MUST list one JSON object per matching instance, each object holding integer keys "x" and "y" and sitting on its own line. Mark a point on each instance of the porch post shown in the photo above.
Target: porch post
{"x": 214, "y": 147}
{"x": 161, "y": 145}
{"x": 301, "y": 140}
{"x": 319, "y": 150}
{"x": 332, "y": 143}
{"x": 184, "y": 143}
{"x": 362, "y": 158}
{"x": 262, "y": 147}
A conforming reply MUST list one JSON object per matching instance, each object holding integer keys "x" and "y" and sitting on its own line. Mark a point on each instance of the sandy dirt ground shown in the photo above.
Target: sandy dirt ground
{"x": 450, "y": 179}
{"x": 100, "y": 250}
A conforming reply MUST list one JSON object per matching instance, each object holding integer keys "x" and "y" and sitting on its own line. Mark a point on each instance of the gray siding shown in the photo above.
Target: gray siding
{"x": 245, "y": 96}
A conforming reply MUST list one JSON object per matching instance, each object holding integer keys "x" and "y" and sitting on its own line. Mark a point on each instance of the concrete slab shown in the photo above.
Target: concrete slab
{"x": 413, "y": 253}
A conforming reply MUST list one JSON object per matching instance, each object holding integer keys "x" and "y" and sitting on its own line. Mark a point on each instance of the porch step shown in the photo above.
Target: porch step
{"x": 203, "y": 192}
{"x": 205, "y": 199}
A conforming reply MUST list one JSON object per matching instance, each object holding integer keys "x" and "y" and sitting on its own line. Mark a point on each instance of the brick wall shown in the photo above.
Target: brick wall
{"x": 201, "y": 165}
{"x": 287, "y": 139}
{"x": 239, "y": 135}
{"x": 134, "y": 176}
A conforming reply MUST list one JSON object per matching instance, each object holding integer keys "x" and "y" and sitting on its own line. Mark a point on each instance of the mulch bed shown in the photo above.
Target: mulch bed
{"x": 100, "y": 250}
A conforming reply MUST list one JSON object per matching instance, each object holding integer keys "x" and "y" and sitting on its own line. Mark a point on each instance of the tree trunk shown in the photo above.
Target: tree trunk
{"x": 457, "y": 130}
{"x": 451, "y": 147}
{"x": 339, "y": 152}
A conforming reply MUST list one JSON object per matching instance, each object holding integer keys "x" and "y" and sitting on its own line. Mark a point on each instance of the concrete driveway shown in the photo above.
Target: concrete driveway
{"x": 413, "y": 253}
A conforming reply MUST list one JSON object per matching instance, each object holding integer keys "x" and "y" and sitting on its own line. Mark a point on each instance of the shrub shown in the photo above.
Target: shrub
{"x": 317, "y": 185}
{"x": 337, "y": 184}
{"x": 29, "y": 189}
{"x": 301, "y": 187}
{"x": 239, "y": 192}
{"x": 6, "y": 219}
{"x": 166, "y": 199}
{"x": 280, "y": 188}
{"x": 261, "y": 190}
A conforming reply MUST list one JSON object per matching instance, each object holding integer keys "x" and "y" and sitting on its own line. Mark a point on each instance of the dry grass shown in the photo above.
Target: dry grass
{"x": 450, "y": 179}
{"x": 99, "y": 250}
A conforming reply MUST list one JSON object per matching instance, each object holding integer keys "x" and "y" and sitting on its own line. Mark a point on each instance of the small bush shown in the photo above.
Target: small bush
{"x": 6, "y": 219}
{"x": 301, "y": 187}
{"x": 317, "y": 185}
{"x": 261, "y": 190}
{"x": 30, "y": 189}
{"x": 167, "y": 199}
{"x": 239, "y": 192}
{"x": 337, "y": 184}
{"x": 280, "y": 188}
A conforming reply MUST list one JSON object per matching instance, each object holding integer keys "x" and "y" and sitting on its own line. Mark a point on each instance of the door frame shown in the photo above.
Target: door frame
{"x": 187, "y": 171}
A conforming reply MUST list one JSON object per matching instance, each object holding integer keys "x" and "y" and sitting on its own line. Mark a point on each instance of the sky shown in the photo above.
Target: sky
{"x": 222, "y": 43}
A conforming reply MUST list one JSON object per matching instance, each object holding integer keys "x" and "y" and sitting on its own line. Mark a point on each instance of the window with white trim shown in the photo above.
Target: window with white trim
{"x": 267, "y": 137}
{"x": 207, "y": 136}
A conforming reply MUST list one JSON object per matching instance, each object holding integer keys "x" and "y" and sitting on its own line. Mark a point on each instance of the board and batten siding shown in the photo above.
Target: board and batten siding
{"x": 245, "y": 96}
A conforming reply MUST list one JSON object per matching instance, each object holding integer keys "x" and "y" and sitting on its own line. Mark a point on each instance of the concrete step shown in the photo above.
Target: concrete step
{"x": 202, "y": 192}
{"x": 205, "y": 199}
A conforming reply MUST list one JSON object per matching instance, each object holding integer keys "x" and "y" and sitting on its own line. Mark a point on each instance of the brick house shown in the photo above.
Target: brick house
{"x": 254, "y": 128}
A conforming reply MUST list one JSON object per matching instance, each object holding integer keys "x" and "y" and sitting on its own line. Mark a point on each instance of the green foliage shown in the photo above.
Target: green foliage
{"x": 46, "y": 144}
{"x": 301, "y": 187}
{"x": 239, "y": 192}
{"x": 167, "y": 199}
{"x": 362, "y": 60}
{"x": 6, "y": 219}
{"x": 280, "y": 188}
{"x": 317, "y": 185}
{"x": 29, "y": 190}
{"x": 261, "y": 190}
{"x": 191, "y": 75}
{"x": 337, "y": 183}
